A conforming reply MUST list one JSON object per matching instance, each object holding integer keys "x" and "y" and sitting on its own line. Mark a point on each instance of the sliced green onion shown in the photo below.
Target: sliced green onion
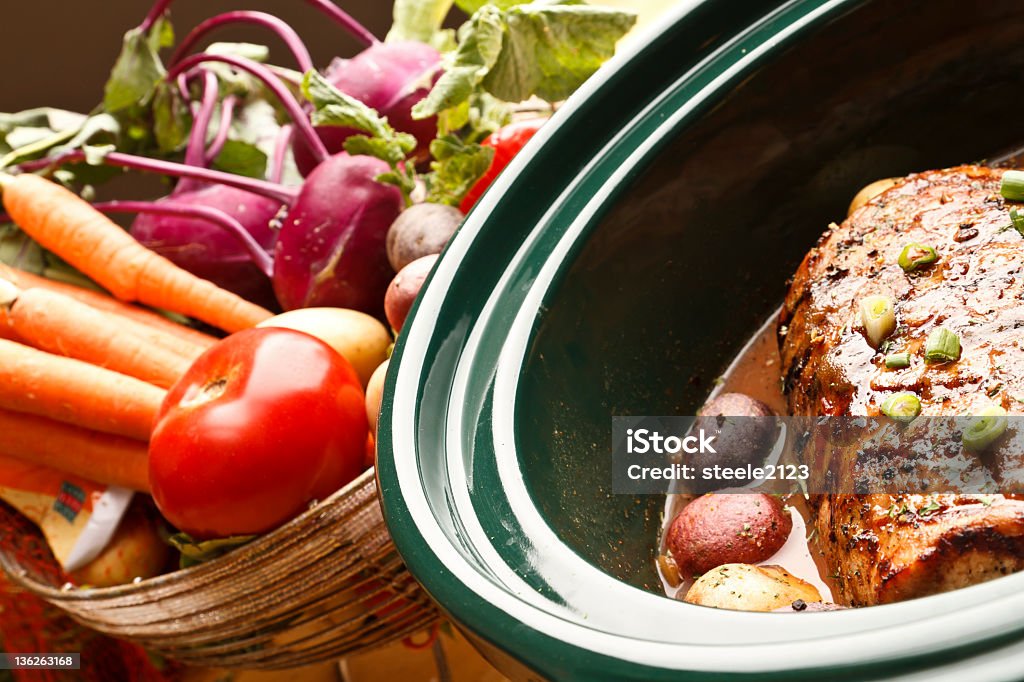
{"x": 897, "y": 360}
{"x": 878, "y": 315}
{"x": 916, "y": 255}
{"x": 1018, "y": 221}
{"x": 984, "y": 428}
{"x": 942, "y": 346}
{"x": 902, "y": 407}
{"x": 1012, "y": 185}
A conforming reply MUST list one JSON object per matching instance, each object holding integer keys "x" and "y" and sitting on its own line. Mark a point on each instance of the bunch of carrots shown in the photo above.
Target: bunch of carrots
{"x": 82, "y": 373}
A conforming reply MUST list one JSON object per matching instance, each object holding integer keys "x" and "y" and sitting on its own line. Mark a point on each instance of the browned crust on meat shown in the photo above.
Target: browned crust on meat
{"x": 878, "y": 552}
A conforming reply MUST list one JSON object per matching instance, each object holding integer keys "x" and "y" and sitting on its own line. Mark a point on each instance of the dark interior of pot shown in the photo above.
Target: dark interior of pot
{"x": 695, "y": 256}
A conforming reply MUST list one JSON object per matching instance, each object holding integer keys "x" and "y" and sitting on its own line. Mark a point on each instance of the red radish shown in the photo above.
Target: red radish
{"x": 388, "y": 77}
{"x": 331, "y": 246}
{"x": 330, "y": 251}
{"x": 200, "y": 246}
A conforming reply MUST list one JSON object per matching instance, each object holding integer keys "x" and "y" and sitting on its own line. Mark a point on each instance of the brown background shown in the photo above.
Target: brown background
{"x": 59, "y": 53}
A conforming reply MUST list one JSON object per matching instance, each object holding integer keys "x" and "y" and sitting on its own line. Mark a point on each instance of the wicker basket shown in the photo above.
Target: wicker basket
{"x": 326, "y": 584}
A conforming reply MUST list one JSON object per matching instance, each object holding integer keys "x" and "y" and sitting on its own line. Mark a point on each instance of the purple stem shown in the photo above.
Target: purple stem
{"x": 259, "y": 256}
{"x": 357, "y": 30}
{"x": 272, "y": 82}
{"x": 281, "y": 144}
{"x": 227, "y": 112}
{"x": 195, "y": 154}
{"x": 282, "y": 193}
{"x": 285, "y": 32}
{"x": 155, "y": 12}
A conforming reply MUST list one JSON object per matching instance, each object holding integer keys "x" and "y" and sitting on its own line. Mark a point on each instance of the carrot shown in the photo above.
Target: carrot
{"x": 155, "y": 336}
{"x": 61, "y": 325}
{"x": 26, "y": 280}
{"x": 100, "y": 457}
{"x": 76, "y": 392}
{"x": 66, "y": 224}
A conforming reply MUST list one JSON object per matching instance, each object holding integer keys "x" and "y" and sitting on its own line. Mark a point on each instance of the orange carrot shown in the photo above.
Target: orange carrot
{"x": 26, "y": 280}
{"x": 66, "y": 224}
{"x": 152, "y": 335}
{"x": 61, "y": 325}
{"x": 100, "y": 457}
{"x": 76, "y": 392}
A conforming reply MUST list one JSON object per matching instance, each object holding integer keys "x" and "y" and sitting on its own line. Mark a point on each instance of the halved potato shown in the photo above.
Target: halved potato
{"x": 744, "y": 587}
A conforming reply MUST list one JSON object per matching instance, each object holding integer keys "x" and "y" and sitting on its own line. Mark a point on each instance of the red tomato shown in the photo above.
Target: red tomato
{"x": 262, "y": 424}
{"x": 507, "y": 142}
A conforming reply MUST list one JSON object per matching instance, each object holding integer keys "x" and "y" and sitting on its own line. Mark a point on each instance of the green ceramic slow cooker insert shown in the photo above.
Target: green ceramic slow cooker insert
{"x": 615, "y": 268}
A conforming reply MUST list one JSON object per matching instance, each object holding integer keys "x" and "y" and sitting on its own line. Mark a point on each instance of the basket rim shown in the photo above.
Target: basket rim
{"x": 255, "y": 546}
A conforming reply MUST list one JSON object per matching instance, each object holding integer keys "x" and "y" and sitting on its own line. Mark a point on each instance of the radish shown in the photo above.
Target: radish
{"x": 388, "y": 77}
{"x": 330, "y": 249}
{"x": 191, "y": 241}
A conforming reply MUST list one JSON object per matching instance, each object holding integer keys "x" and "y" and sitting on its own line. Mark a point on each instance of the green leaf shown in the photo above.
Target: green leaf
{"x": 18, "y": 250}
{"x": 550, "y": 50}
{"x": 480, "y": 45}
{"x": 171, "y": 118}
{"x": 456, "y": 168}
{"x": 334, "y": 108}
{"x": 95, "y": 154}
{"x": 102, "y": 128}
{"x": 136, "y": 72}
{"x": 22, "y": 137}
{"x": 390, "y": 149}
{"x": 547, "y": 49}
{"x": 257, "y": 53}
{"x": 242, "y": 158}
{"x": 417, "y": 19}
{"x": 486, "y": 115}
{"x": 161, "y": 35}
{"x": 471, "y": 6}
{"x": 199, "y": 551}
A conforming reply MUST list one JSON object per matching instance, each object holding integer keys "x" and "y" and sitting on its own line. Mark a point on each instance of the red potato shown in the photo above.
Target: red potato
{"x": 404, "y": 289}
{"x": 727, "y": 529}
{"x": 421, "y": 230}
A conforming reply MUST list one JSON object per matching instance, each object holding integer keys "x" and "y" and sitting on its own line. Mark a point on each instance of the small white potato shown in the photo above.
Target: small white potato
{"x": 359, "y": 338}
{"x": 743, "y": 587}
{"x": 374, "y": 393}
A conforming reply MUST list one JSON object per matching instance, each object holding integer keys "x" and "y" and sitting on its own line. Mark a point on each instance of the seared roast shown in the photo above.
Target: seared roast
{"x": 886, "y": 547}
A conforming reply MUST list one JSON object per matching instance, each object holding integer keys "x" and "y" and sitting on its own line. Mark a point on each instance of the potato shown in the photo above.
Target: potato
{"x": 421, "y": 230}
{"x": 743, "y": 587}
{"x": 869, "y": 192}
{"x": 135, "y": 551}
{"x": 374, "y": 393}
{"x": 727, "y": 529}
{"x": 358, "y": 337}
{"x": 404, "y": 289}
{"x": 746, "y": 436}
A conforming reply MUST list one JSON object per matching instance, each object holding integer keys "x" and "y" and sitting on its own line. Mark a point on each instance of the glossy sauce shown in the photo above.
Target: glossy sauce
{"x": 755, "y": 372}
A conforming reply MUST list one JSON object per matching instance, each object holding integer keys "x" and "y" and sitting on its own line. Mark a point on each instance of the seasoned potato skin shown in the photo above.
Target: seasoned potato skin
{"x": 721, "y": 529}
{"x": 743, "y": 587}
